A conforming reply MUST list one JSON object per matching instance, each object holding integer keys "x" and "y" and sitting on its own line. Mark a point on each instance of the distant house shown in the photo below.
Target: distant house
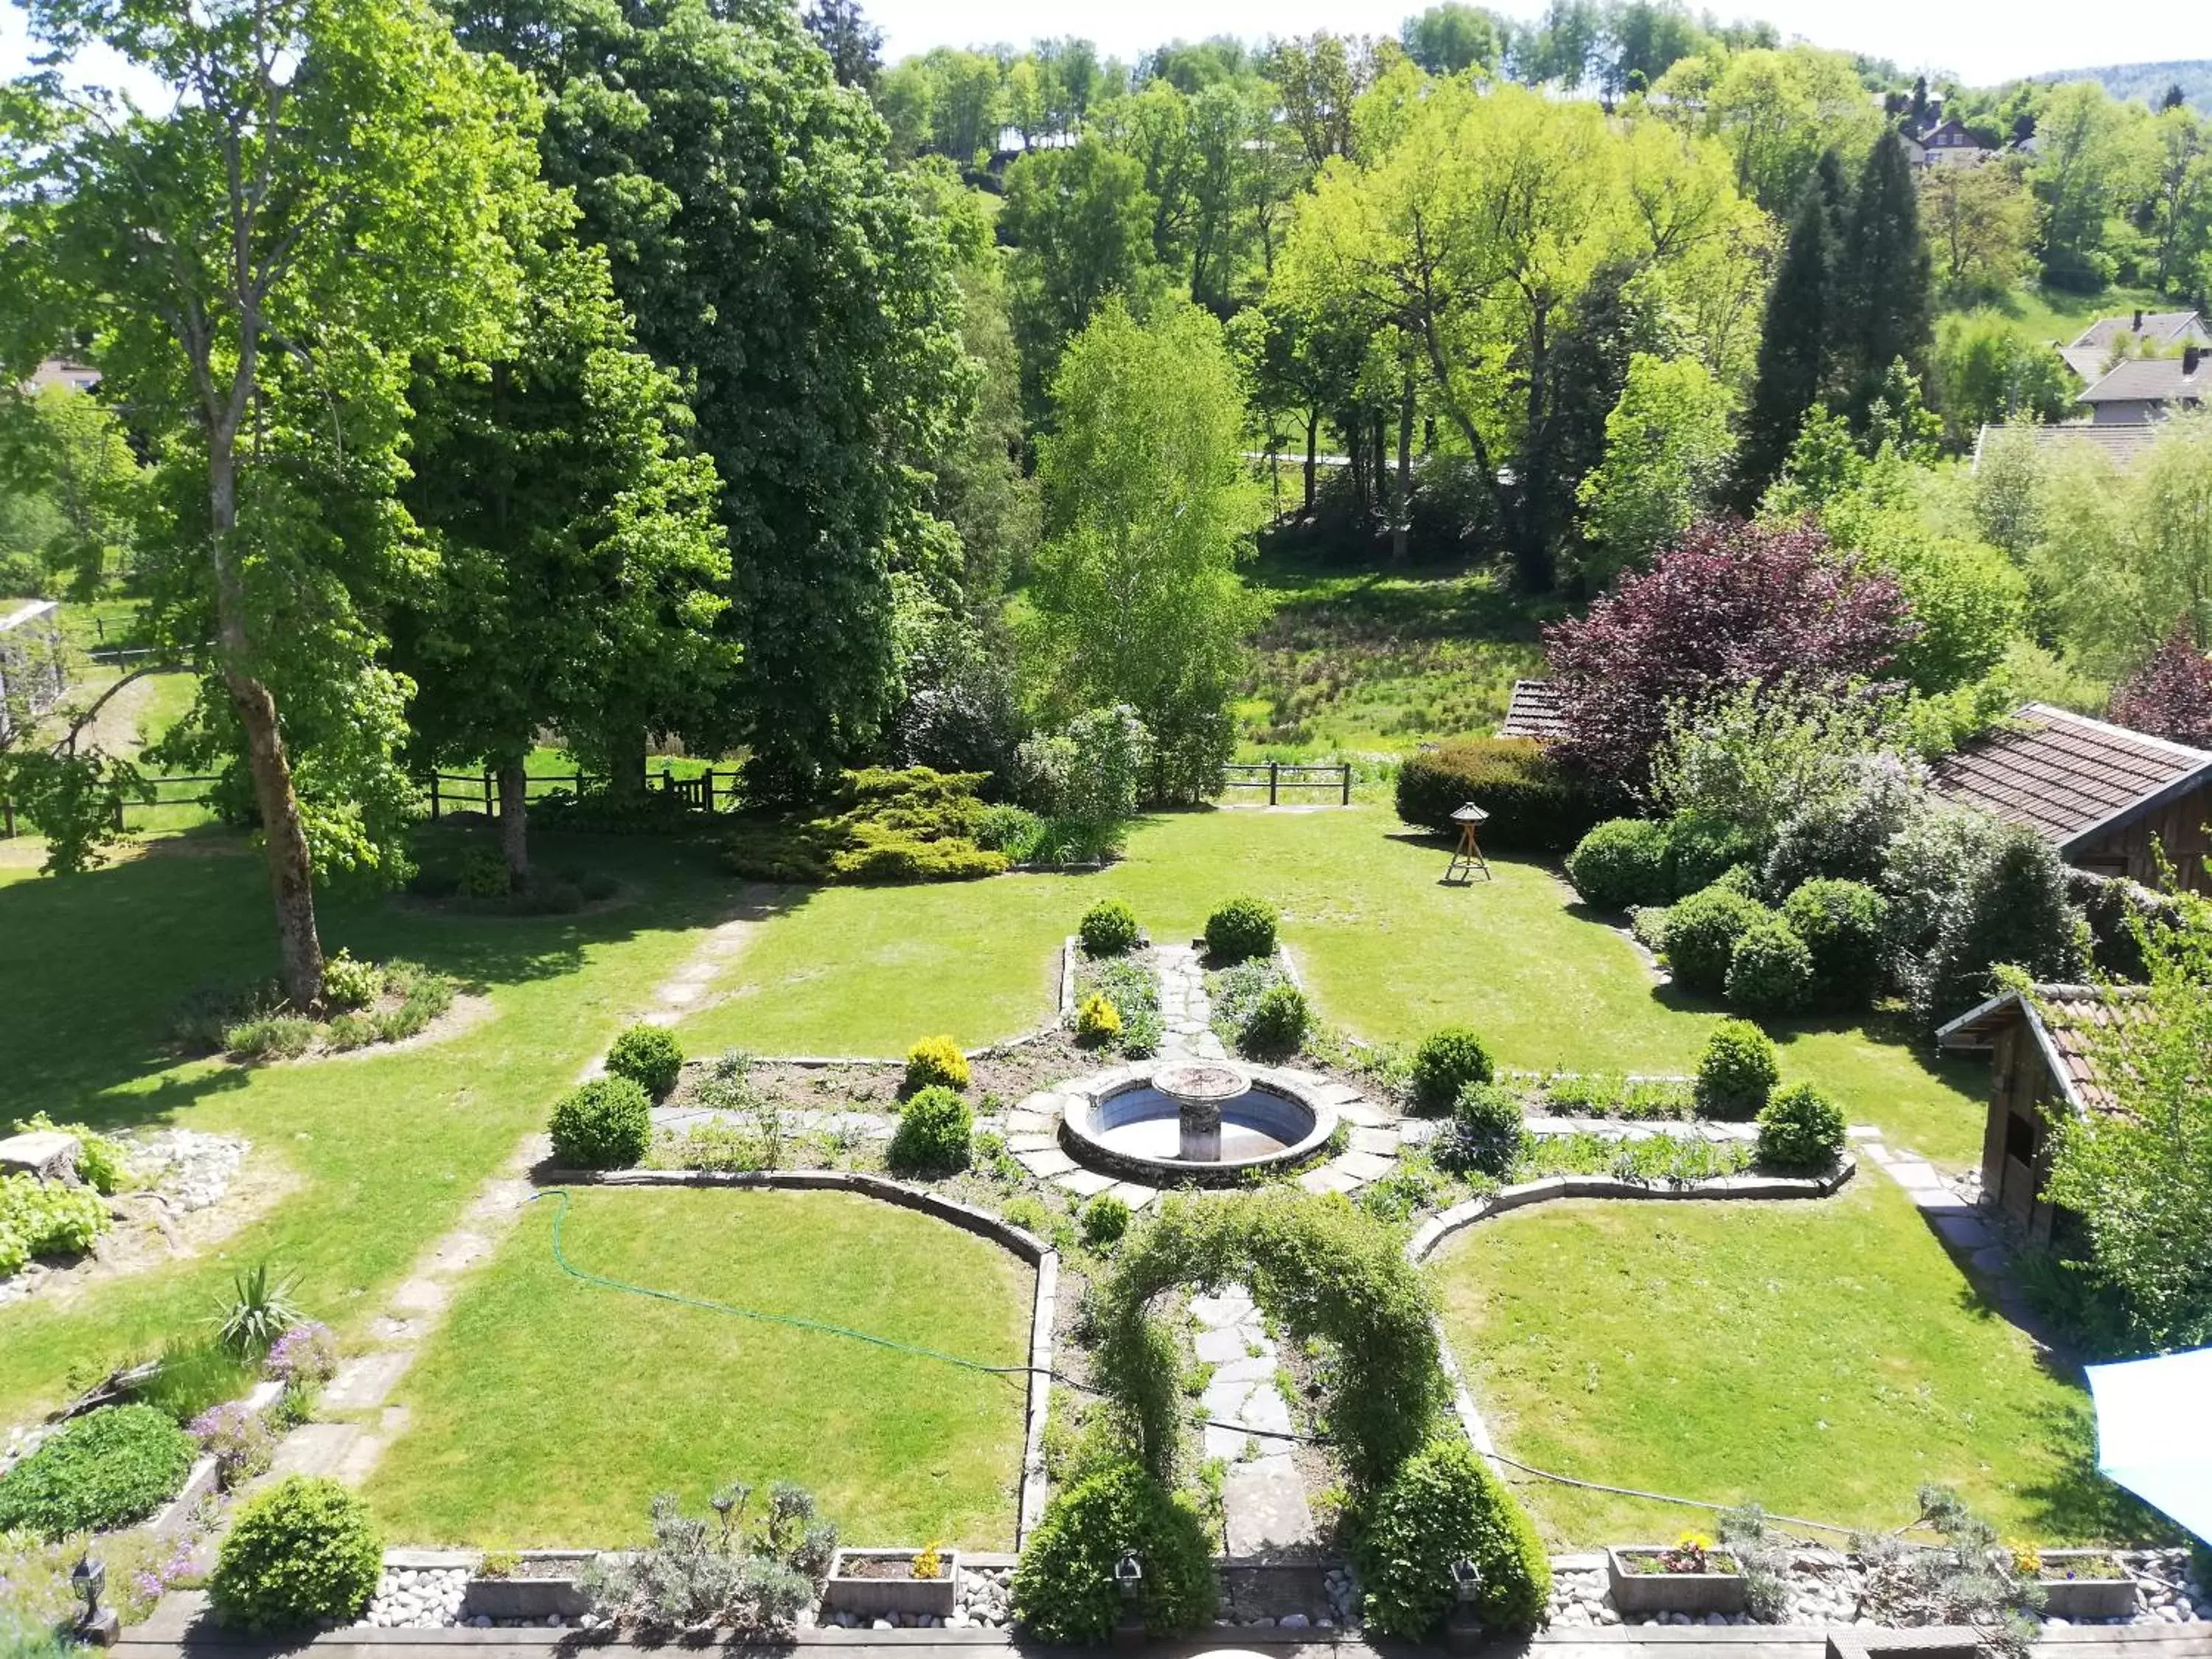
{"x": 2146, "y": 389}
{"x": 2121, "y": 442}
{"x": 63, "y": 371}
{"x": 1947, "y": 144}
{"x": 2042, "y": 1068}
{"x": 1534, "y": 712}
{"x": 2095, "y": 349}
{"x": 2100, "y": 793}
{"x": 32, "y": 677}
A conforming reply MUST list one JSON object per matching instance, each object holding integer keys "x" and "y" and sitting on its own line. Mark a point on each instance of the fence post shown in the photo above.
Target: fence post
{"x": 7, "y": 820}
{"x": 1272, "y": 767}
{"x": 433, "y": 796}
{"x": 707, "y": 777}
{"x": 1346, "y": 770}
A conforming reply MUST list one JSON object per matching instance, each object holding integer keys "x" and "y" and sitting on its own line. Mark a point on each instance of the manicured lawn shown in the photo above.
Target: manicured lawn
{"x": 374, "y": 1155}
{"x": 1820, "y": 1358}
{"x": 549, "y": 1412}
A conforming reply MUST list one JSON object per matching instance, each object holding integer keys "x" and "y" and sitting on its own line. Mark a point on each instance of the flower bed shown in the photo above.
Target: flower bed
{"x": 1688, "y": 1576}
{"x": 2085, "y": 1584}
{"x": 884, "y": 1584}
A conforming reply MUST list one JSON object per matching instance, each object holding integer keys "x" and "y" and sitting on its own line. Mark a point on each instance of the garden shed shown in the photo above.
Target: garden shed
{"x": 2041, "y": 1064}
{"x": 1535, "y": 712}
{"x": 2101, "y": 793}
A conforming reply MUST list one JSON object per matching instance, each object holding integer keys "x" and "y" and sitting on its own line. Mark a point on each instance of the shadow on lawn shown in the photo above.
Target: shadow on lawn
{"x": 97, "y": 964}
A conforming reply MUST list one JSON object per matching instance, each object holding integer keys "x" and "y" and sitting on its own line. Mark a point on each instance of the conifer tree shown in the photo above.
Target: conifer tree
{"x": 1794, "y": 347}
{"x": 1882, "y": 310}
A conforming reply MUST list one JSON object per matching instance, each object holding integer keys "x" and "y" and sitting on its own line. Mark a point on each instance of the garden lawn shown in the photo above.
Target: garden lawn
{"x": 1823, "y": 1359}
{"x": 549, "y": 1412}
{"x": 357, "y": 1162}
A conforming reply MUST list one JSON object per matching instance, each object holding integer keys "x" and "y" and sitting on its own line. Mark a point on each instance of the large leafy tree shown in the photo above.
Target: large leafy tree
{"x": 581, "y": 567}
{"x": 1080, "y": 222}
{"x": 769, "y": 255}
{"x": 322, "y": 199}
{"x": 69, "y": 489}
{"x": 1666, "y": 450}
{"x": 2170, "y": 696}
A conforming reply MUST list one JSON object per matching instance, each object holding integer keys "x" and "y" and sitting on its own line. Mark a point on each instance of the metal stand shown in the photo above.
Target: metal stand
{"x": 102, "y": 1629}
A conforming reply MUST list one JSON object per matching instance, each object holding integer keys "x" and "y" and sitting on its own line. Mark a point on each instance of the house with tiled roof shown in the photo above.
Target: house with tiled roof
{"x": 2146, "y": 389}
{"x": 2159, "y": 333}
{"x": 1535, "y": 712}
{"x": 2122, "y": 443}
{"x": 2044, "y": 1064}
{"x": 2108, "y": 799}
{"x": 1947, "y": 144}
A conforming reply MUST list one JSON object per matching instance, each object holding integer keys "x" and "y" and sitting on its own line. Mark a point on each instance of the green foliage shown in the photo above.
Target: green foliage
{"x": 350, "y": 984}
{"x": 934, "y": 1130}
{"x": 1534, "y": 804}
{"x": 649, "y": 1056}
{"x": 1276, "y": 1025}
{"x": 604, "y": 1124}
{"x": 935, "y": 1061}
{"x": 1623, "y": 862}
{"x": 271, "y": 1037}
{"x": 1801, "y": 1129}
{"x": 260, "y": 1309}
{"x": 1843, "y": 924}
{"x": 1736, "y": 1072}
{"x": 304, "y": 1550}
{"x": 1108, "y": 928}
{"x": 194, "y": 1373}
{"x": 484, "y": 875}
{"x": 1659, "y": 1160}
{"x": 1063, "y": 1588}
{"x": 99, "y": 1160}
{"x": 1752, "y": 759}
{"x": 1097, "y": 1020}
{"x": 1701, "y": 931}
{"x": 1240, "y": 929}
{"x": 1102, "y": 1221}
{"x": 2010, "y": 911}
{"x": 1770, "y": 971}
{"x": 45, "y": 1218}
{"x": 1443, "y": 1063}
{"x": 1667, "y": 448}
{"x": 1486, "y": 1133}
{"x": 98, "y": 1472}
{"x": 1443, "y": 1506}
{"x": 1704, "y": 850}
{"x": 917, "y": 825}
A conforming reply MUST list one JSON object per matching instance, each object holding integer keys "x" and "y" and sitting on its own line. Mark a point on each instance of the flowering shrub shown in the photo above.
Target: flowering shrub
{"x": 306, "y": 1356}
{"x": 1097, "y": 1020}
{"x": 238, "y": 1438}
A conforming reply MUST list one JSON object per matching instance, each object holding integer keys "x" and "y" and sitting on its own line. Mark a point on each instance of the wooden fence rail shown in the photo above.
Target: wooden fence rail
{"x": 1275, "y": 776}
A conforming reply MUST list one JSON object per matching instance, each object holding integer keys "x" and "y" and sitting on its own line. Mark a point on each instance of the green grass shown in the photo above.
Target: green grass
{"x": 549, "y": 1412}
{"x": 2042, "y": 315}
{"x": 1822, "y": 1359}
{"x": 359, "y": 1160}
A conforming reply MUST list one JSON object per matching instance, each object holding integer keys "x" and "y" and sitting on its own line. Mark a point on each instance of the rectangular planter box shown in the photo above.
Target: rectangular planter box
{"x": 1699, "y": 1593}
{"x": 2084, "y": 1598}
{"x": 550, "y": 1588}
{"x": 880, "y": 1598}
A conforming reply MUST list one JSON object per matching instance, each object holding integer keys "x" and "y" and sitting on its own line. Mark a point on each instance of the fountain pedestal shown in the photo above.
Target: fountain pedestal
{"x": 1198, "y": 1089}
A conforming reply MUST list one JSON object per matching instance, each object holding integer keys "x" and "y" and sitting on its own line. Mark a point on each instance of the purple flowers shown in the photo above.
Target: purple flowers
{"x": 238, "y": 1439}
{"x": 304, "y": 1356}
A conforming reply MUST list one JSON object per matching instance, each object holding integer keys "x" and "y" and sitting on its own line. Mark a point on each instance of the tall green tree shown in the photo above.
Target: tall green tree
{"x": 769, "y": 256}
{"x": 323, "y": 198}
{"x": 1080, "y": 222}
{"x": 1666, "y": 452}
{"x": 1149, "y": 506}
{"x": 1793, "y": 345}
{"x": 1884, "y": 307}
{"x": 581, "y": 568}
{"x": 71, "y": 487}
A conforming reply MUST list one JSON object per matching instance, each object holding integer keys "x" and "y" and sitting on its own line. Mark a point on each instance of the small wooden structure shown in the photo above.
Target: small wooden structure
{"x": 1467, "y": 858}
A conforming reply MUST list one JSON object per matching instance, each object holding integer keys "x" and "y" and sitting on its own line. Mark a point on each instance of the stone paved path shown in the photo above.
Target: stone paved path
{"x": 1186, "y": 1011}
{"x": 1263, "y": 1496}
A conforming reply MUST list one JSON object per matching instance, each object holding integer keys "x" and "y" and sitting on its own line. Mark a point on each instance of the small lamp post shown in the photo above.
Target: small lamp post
{"x": 1463, "y": 1628}
{"x": 96, "y": 1623}
{"x": 1128, "y": 1579}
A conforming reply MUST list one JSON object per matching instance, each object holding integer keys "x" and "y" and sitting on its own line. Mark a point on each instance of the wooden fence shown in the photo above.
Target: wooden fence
{"x": 1276, "y": 776}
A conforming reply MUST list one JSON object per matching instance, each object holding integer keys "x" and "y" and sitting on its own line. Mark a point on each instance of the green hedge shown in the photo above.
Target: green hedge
{"x": 304, "y": 1550}
{"x": 1442, "y": 1506}
{"x": 106, "y": 1470}
{"x": 604, "y": 1124}
{"x": 1535, "y": 803}
{"x": 1623, "y": 864}
{"x": 1064, "y": 1587}
{"x": 648, "y": 1056}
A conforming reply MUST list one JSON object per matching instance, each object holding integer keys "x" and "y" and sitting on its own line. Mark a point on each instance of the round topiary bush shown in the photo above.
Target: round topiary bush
{"x": 1801, "y": 1129}
{"x": 106, "y": 1470}
{"x": 650, "y": 1057}
{"x": 935, "y": 1062}
{"x": 1277, "y": 1024}
{"x": 1702, "y": 850}
{"x": 1486, "y": 1132}
{"x": 1064, "y": 1589}
{"x": 1843, "y": 924}
{"x": 1736, "y": 1072}
{"x": 935, "y": 1129}
{"x": 1771, "y": 971}
{"x": 604, "y": 1124}
{"x": 1103, "y": 1220}
{"x": 1240, "y": 929}
{"x": 1446, "y": 1062}
{"x": 1097, "y": 1020}
{"x": 1622, "y": 863}
{"x": 1701, "y": 931}
{"x": 1442, "y": 1506}
{"x": 305, "y": 1550}
{"x": 1108, "y": 928}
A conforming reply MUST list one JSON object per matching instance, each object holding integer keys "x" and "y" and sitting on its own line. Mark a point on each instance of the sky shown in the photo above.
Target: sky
{"x": 1981, "y": 41}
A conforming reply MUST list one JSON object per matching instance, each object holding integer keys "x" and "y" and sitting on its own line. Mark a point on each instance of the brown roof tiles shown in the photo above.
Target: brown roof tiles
{"x": 2067, "y": 776}
{"x": 2065, "y": 1020}
{"x": 1535, "y": 711}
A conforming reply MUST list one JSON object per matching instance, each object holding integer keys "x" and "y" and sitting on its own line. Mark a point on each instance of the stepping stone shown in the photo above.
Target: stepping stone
{"x": 1021, "y": 1121}
{"x": 1266, "y": 1506}
{"x": 313, "y": 1448}
{"x": 1964, "y": 1232}
{"x": 1225, "y": 1443}
{"x": 1368, "y": 1166}
{"x": 1133, "y": 1194}
{"x": 1219, "y": 1312}
{"x": 1246, "y": 1369}
{"x": 366, "y": 1380}
{"x": 1864, "y": 1132}
{"x": 1049, "y": 1161}
{"x": 1992, "y": 1259}
{"x": 1225, "y": 1401}
{"x": 1384, "y": 1143}
{"x": 1913, "y": 1172}
{"x": 1338, "y": 1094}
{"x": 1084, "y": 1183}
{"x": 1222, "y": 1346}
{"x": 420, "y": 1296}
{"x": 1330, "y": 1179}
{"x": 1362, "y": 1115}
{"x": 457, "y": 1251}
{"x": 1264, "y": 1409}
{"x": 1031, "y": 1142}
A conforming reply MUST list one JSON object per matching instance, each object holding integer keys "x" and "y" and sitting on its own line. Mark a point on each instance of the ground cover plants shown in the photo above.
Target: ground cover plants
{"x": 106, "y": 1470}
{"x": 365, "y": 1003}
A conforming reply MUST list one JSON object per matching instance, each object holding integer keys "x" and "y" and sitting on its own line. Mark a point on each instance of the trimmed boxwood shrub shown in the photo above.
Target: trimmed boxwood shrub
{"x": 1103, "y": 1220}
{"x": 1486, "y": 1132}
{"x": 1621, "y": 863}
{"x": 1801, "y": 1128}
{"x": 107, "y": 1468}
{"x": 305, "y": 1550}
{"x": 1703, "y": 849}
{"x": 1240, "y": 930}
{"x": 934, "y": 1062}
{"x": 934, "y": 1133}
{"x": 1736, "y": 1072}
{"x": 1277, "y": 1024}
{"x": 1535, "y": 805}
{"x": 1701, "y": 931}
{"x": 1770, "y": 971}
{"x": 1108, "y": 928}
{"x": 604, "y": 1124}
{"x": 648, "y": 1056}
{"x": 1064, "y": 1589}
{"x": 1440, "y": 1507}
{"x": 1444, "y": 1063}
{"x": 1843, "y": 924}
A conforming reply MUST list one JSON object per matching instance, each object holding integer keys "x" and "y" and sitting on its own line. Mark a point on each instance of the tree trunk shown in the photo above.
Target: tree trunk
{"x": 514, "y": 819}
{"x": 291, "y": 871}
{"x": 1356, "y": 452}
{"x": 1533, "y": 554}
{"x": 626, "y": 764}
{"x": 1401, "y": 512}
{"x": 1313, "y": 442}
{"x": 1379, "y": 449}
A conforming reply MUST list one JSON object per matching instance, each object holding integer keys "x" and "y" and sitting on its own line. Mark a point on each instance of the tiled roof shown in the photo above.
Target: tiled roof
{"x": 2065, "y": 775}
{"x": 2065, "y": 1020}
{"x": 2123, "y": 443}
{"x": 1534, "y": 712}
{"x": 2157, "y": 380}
{"x": 2161, "y": 325}
{"x": 2087, "y": 361}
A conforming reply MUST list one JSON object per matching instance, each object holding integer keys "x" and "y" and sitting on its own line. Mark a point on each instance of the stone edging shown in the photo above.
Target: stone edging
{"x": 967, "y": 1217}
{"x": 1433, "y": 1233}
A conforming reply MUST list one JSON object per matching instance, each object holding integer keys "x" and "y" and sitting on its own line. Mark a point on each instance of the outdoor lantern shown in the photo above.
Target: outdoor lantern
{"x": 1466, "y": 1583}
{"x": 88, "y": 1577}
{"x": 1128, "y": 1573}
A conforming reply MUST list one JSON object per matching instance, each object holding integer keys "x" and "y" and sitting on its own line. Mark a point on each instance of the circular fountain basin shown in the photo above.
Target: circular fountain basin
{"x": 1128, "y": 1125}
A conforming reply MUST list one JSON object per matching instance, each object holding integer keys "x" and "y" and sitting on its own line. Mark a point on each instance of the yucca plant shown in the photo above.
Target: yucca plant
{"x": 260, "y": 1309}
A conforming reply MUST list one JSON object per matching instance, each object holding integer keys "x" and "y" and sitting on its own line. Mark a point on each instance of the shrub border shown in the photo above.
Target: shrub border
{"x": 969, "y": 1219}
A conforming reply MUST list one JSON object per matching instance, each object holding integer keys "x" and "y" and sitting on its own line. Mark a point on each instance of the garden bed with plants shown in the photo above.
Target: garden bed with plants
{"x": 365, "y": 1004}
{"x": 477, "y": 882}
